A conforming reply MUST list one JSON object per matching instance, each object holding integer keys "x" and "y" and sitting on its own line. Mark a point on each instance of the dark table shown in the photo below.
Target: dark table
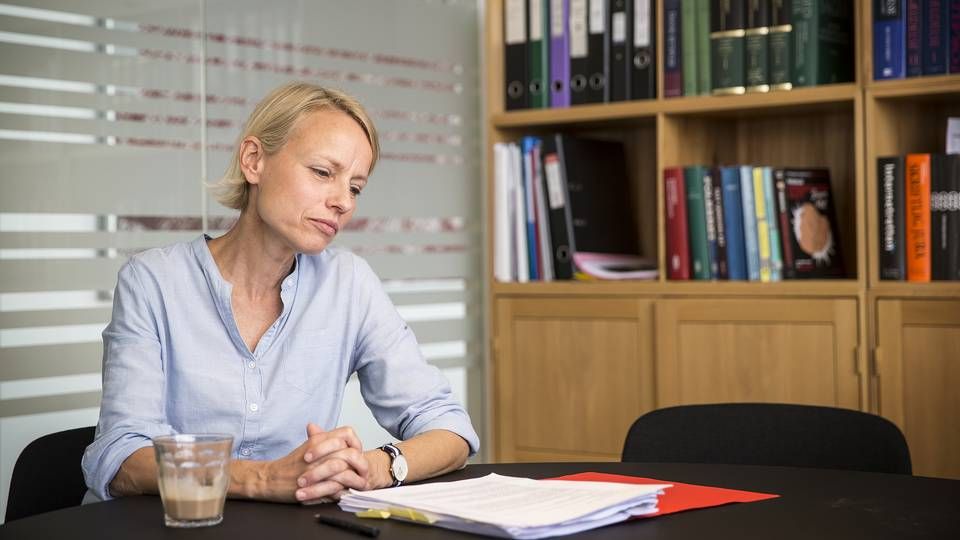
{"x": 814, "y": 504}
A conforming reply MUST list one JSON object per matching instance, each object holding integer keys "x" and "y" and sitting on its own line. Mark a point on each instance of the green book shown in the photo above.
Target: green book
{"x": 539, "y": 46}
{"x": 727, "y": 32}
{"x": 697, "y": 221}
{"x": 688, "y": 46}
{"x": 822, "y": 42}
{"x": 756, "y": 44}
{"x": 779, "y": 40}
{"x": 704, "y": 82}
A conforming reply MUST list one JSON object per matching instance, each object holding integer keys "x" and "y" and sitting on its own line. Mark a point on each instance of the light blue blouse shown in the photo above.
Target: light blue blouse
{"x": 174, "y": 361}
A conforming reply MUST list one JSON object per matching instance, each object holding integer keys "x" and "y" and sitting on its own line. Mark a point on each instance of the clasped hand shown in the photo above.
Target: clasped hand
{"x": 325, "y": 465}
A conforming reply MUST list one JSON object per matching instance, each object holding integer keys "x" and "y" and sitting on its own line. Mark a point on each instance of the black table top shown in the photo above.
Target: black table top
{"x": 813, "y": 503}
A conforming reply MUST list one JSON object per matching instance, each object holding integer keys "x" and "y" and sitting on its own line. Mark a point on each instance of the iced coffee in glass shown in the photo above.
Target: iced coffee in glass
{"x": 193, "y": 474}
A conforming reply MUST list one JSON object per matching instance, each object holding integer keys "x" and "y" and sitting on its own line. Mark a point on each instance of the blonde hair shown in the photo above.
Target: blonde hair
{"x": 273, "y": 120}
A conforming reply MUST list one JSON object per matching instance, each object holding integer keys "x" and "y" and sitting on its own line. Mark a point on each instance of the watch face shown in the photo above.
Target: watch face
{"x": 399, "y": 468}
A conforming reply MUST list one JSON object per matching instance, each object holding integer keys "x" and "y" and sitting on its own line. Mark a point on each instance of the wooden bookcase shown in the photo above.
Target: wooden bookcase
{"x": 572, "y": 364}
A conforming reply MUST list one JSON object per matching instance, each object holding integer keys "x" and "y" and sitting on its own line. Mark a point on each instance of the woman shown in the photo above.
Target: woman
{"x": 256, "y": 333}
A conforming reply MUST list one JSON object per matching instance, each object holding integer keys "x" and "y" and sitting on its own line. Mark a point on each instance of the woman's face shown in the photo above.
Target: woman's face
{"x": 307, "y": 191}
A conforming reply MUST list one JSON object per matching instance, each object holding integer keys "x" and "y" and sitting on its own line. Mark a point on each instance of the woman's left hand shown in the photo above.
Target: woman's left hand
{"x": 347, "y": 467}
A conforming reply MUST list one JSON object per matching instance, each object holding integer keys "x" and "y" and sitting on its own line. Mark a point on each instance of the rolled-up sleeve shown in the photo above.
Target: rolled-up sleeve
{"x": 132, "y": 406}
{"x": 406, "y": 395}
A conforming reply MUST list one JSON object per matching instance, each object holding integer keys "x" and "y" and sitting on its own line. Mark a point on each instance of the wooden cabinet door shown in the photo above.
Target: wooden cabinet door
{"x": 571, "y": 376}
{"x": 918, "y": 375}
{"x": 758, "y": 350}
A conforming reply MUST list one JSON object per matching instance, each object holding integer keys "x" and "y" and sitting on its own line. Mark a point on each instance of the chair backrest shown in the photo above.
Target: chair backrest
{"x": 769, "y": 434}
{"x": 47, "y": 475}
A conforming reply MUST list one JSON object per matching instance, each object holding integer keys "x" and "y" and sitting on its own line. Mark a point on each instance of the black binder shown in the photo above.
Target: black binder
{"x": 558, "y": 210}
{"x": 643, "y": 53}
{"x": 618, "y": 73}
{"x": 578, "y": 25}
{"x": 598, "y": 85}
{"x": 515, "y": 54}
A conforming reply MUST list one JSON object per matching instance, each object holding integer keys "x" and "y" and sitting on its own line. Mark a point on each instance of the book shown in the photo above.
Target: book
{"x": 515, "y": 54}
{"x": 954, "y": 45}
{"x": 672, "y": 53}
{"x": 783, "y": 220}
{"x": 889, "y": 35}
{"x": 675, "y": 202}
{"x": 530, "y": 209}
{"x": 917, "y": 216}
{"x": 733, "y": 223}
{"x": 504, "y": 267}
{"x": 914, "y": 38}
{"x": 780, "y": 42}
{"x": 697, "y": 222}
{"x": 749, "y": 217}
{"x": 727, "y": 31}
{"x": 890, "y": 217}
{"x": 822, "y": 42}
{"x": 539, "y": 59}
{"x": 544, "y": 243}
{"x": 688, "y": 46}
{"x": 763, "y": 227}
{"x": 704, "y": 69}
{"x": 769, "y": 196}
{"x": 812, "y": 232}
{"x": 940, "y": 209}
{"x": 720, "y": 254}
{"x": 521, "y": 254}
{"x": 951, "y": 203}
{"x": 936, "y": 36}
{"x": 643, "y": 53}
{"x": 756, "y": 44}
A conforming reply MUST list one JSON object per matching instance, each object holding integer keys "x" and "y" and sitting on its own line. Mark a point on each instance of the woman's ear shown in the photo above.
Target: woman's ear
{"x": 251, "y": 159}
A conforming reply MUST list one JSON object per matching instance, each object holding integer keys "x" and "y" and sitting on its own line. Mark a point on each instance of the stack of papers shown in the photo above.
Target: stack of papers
{"x": 510, "y": 507}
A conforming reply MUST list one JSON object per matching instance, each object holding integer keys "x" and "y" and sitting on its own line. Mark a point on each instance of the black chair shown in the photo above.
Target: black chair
{"x": 769, "y": 434}
{"x": 47, "y": 475}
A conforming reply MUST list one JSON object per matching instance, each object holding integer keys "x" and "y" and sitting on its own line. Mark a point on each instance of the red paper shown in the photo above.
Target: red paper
{"x": 680, "y": 497}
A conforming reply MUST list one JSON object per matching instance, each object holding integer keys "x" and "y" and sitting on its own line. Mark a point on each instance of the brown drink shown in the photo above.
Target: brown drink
{"x": 193, "y": 475}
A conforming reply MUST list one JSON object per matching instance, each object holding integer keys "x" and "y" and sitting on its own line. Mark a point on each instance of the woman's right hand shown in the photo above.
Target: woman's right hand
{"x": 324, "y": 465}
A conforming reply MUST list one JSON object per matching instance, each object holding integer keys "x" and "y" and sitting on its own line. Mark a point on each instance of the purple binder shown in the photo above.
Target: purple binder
{"x": 559, "y": 53}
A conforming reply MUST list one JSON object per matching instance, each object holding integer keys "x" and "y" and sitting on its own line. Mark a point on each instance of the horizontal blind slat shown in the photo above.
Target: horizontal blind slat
{"x": 50, "y": 360}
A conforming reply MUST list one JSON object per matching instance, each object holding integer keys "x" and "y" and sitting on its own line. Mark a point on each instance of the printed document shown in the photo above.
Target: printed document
{"x": 511, "y": 507}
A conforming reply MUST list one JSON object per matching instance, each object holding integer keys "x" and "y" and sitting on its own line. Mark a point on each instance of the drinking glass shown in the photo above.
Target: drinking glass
{"x": 193, "y": 474}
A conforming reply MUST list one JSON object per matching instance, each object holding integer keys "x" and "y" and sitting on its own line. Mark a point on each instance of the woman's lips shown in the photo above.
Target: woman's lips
{"x": 326, "y": 226}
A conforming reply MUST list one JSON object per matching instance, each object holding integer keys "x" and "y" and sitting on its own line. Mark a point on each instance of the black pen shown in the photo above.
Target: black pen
{"x": 351, "y": 526}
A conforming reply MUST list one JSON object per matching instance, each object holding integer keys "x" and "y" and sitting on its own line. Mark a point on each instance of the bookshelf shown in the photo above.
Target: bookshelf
{"x": 885, "y": 347}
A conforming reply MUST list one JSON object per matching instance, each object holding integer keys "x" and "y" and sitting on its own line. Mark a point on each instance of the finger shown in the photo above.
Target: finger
{"x": 322, "y": 448}
{"x": 338, "y": 462}
{"x": 350, "y": 479}
{"x": 349, "y": 435}
{"x": 313, "y": 429}
{"x": 327, "y": 488}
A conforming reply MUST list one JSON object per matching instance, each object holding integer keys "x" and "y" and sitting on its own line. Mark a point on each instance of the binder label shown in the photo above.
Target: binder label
{"x": 516, "y": 22}
{"x": 536, "y": 20}
{"x": 556, "y": 18}
{"x": 619, "y": 27}
{"x": 578, "y": 28}
{"x": 551, "y": 166}
{"x": 597, "y": 16}
{"x": 641, "y": 23}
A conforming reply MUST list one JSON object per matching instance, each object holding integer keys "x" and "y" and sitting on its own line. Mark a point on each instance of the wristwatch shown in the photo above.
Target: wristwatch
{"x": 398, "y": 464}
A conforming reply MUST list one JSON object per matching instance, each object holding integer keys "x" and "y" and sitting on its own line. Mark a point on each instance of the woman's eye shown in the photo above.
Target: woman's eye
{"x": 355, "y": 191}
{"x": 321, "y": 172}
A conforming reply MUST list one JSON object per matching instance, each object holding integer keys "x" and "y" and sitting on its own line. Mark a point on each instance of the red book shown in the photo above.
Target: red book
{"x": 681, "y": 496}
{"x": 678, "y": 246}
{"x": 918, "y": 217}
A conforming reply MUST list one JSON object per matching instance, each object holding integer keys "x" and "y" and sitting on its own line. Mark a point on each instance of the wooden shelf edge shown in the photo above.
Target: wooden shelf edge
{"x": 647, "y": 109}
{"x": 901, "y": 289}
{"x": 811, "y": 288}
{"x": 915, "y": 86}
